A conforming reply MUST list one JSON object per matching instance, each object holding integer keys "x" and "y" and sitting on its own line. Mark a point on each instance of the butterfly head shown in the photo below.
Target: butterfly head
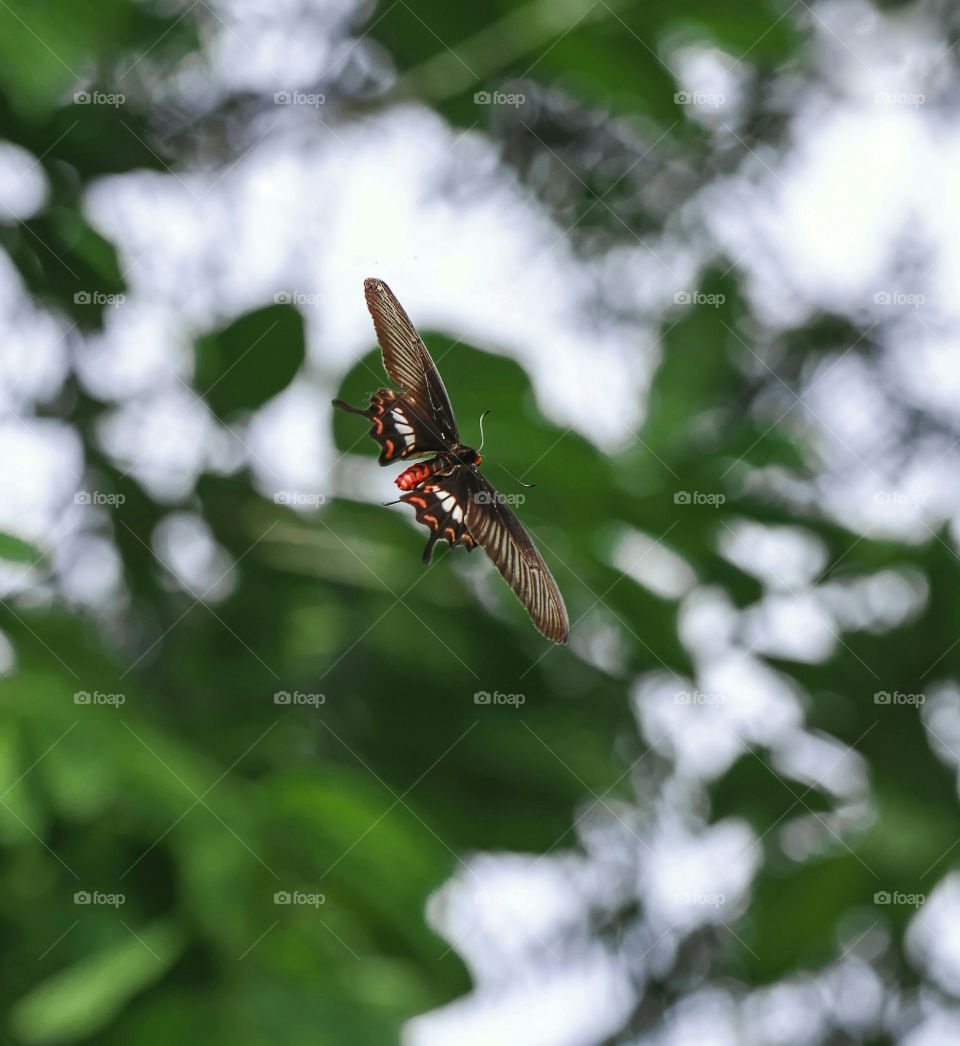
{"x": 467, "y": 455}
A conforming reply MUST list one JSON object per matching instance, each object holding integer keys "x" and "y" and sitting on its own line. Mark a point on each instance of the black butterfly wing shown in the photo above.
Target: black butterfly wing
{"x": 500, "y": 534}
{"x": 407, "y": 362}
{"x": 398, "y": 425}
{"x": 441, "y": 505}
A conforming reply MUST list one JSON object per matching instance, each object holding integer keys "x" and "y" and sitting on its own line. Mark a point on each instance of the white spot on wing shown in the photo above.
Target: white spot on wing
{"x": 400, "y": 421}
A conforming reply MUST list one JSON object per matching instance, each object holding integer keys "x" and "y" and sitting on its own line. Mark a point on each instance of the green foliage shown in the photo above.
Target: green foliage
{"x": 252, "y": 359}
{"x": 199, "y": 797}
{"x": 83, "y": 999}
{"x": 16, "y": 550}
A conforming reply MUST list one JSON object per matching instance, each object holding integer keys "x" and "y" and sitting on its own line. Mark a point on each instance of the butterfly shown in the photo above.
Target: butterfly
{"x": 449, "y": 494}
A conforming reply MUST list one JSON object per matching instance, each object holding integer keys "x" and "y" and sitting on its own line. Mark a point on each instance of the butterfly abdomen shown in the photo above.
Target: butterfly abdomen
{"x": 416, "y": 474}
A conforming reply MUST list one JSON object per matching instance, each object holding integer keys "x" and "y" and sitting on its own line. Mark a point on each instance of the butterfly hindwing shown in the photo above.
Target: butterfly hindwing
{"x": 441, "y": 505}
{"x": 407, "y": 361}
{"x": 500, "y": 534}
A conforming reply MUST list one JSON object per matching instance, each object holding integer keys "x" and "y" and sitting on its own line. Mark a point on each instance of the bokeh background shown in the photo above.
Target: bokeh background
{"x": 266, "y": 779}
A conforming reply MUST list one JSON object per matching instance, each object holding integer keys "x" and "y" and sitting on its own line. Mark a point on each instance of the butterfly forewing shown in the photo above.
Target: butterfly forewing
{"x": 398, "y": 426}
{"x": 500, "y": 534}
{"x": 406, "y": 360}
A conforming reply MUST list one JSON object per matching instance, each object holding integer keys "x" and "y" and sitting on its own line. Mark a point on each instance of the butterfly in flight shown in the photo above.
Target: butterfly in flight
{"x": 449, "y": 494}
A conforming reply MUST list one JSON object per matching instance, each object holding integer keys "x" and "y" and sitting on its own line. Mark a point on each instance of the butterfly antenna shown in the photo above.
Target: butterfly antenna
{"x": 387, "y": 504}
{"x": 515, "y": 479}
{"x": 482, "y": 416}
{"x": 529, "y": 486}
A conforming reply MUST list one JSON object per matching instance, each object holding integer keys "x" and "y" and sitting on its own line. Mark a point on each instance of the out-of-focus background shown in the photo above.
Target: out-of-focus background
{"x": 264, "y": 778}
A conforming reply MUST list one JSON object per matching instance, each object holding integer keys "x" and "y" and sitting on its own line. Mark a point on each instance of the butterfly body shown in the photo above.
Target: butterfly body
{"x": 448, "y": 493}
{"x": 416, "y": 474}
{"x": 441, "y": 465}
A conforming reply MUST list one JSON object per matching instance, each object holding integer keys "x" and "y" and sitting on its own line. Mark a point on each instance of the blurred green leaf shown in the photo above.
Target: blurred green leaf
{"x": 16, "y": 550}
{"x": 85, "y": 997}
{"x": 252, "y": 359}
